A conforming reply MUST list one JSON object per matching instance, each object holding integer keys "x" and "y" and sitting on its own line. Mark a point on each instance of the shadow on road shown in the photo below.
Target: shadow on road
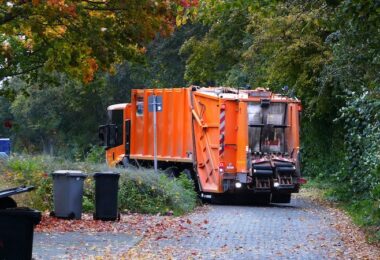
{"x": 256, "y": 200}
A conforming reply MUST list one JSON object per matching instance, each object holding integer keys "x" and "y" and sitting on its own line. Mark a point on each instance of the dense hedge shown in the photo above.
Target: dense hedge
{"x": 140, "y": 190}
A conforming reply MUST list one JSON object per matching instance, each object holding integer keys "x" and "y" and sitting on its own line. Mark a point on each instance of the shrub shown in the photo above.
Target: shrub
{"x": 140, "y": 190}
{"x": 96, "y": 155}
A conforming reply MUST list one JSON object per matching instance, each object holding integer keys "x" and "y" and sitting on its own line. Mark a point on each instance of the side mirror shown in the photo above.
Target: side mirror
{"x": 108, "y": 135}
{"x": 112, "y": 136}
{"x": 102, "y": 135}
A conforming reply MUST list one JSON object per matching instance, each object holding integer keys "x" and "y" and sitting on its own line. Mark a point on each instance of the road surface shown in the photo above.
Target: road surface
{"x": 299, "y": 230}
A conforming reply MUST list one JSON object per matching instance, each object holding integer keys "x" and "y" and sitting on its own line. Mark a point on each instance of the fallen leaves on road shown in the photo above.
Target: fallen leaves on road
{"x": 131, "y": 223}
{"x": 354, "y": 239}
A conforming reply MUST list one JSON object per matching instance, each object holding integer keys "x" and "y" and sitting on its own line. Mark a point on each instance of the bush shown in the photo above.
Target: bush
{"x": 29, "y": 171}
{"x": 96, "y": 155}
{"x": 140, "y": 190}
{"x": 146, "y": 192}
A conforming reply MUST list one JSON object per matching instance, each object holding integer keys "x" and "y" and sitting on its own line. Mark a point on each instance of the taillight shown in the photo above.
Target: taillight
{"x": 302, "y": 181}
{"x": 221, "y": 167}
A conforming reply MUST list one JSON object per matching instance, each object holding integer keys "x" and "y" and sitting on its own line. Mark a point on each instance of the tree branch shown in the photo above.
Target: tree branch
{"x": 23, "y": 72}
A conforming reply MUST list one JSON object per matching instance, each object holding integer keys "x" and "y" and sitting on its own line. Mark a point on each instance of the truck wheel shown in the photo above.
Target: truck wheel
{"x": 281, "y": 197}
{"x": 171, "y": 172}
{"x": 125, "y": 162}
{"x": 187, "y": 173}
{"x": 218, "y": 199}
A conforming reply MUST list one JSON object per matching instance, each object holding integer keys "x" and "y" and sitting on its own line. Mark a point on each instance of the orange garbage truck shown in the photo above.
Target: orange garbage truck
{"x": 230, "y": 141}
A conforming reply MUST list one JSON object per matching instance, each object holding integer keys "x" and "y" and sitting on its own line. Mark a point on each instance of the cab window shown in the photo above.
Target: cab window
{"x": 116, "y": 118}
{"x": 140, "y": 106}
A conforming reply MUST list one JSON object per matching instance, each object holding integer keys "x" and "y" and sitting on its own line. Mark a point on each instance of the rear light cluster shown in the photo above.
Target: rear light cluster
{"x": 302, "y": 181}
{"x": 221, "y": 167}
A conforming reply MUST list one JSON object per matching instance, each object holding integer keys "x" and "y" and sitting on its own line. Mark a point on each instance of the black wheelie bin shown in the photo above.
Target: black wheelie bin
{"x": 106, "y": 190}
{"x": 16, "y": 226}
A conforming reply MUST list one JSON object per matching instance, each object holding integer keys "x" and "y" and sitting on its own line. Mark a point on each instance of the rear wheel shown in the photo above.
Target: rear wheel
{"x": 171, "y": 172}
{"x": 187, "y": 173}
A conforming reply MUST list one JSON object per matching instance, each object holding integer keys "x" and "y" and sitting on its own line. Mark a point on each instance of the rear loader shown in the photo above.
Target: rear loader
{"x": 230, "y": 141}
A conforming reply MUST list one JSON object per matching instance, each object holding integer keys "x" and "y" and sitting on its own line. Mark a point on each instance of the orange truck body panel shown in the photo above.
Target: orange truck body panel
{"x": 174, "y": 134}
{"x": 208, "y": 129}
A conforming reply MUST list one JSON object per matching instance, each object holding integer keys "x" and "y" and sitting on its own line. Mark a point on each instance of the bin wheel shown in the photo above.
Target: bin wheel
{"x": 52, "y": 214}
{"x": 71, "y": 215}
{"x": 118, "y": 216}
{"x": 7, "y": 202}
{"x": 94, "y": 217}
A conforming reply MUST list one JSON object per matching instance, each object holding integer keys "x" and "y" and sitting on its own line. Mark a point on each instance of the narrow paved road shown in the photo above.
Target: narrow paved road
{"x": 300, "y": 230}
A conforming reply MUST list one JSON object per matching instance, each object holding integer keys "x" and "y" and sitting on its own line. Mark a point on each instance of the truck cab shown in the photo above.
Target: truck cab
{"x": 114, "y": 135}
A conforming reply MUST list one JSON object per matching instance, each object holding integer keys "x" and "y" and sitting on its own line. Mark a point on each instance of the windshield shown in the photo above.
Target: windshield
{"x": 267, "y": 127}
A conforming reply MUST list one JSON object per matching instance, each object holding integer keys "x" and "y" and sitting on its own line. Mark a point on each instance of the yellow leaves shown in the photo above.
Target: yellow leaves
{"x": 56, "y": 3}
{"x": 89, "y": 70}
{"x": 56, "y": 31}
{"x": 35, "y": 2}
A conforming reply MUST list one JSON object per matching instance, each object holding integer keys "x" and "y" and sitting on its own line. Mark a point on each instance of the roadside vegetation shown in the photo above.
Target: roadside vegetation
{"x": 327, "y": 53}
{"x": 140, "y": 190}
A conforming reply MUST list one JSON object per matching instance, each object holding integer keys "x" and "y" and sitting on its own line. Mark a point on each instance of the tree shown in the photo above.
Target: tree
{"x": 78, "y": 37}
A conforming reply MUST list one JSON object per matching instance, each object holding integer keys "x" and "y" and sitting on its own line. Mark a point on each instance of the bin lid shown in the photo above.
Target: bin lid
{"x": 13, "y": 191}
{"x": 71, "y": 173}
{"x": 99, "y": 174}
{"x": 33, "y": 215}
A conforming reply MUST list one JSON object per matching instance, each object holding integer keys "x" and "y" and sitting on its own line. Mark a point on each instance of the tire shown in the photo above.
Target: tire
{"x": 187, "y": 173}
{"x": 171, "y": 172}
{"x": 218, "y": 199}
{"x": 281, "y": 197}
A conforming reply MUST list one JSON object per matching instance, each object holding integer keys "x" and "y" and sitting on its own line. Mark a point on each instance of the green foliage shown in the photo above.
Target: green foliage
{"x": 56, "y": 115}
{"x": 140, "y": 190}
{"x": 35, "y": 171}
{"x": 96, "y": 155}
{"x": 30, "y": 171}
{"x": 362, "y": 124}
{"x": 88, "y": 203}
{"x": 146, "y": 192}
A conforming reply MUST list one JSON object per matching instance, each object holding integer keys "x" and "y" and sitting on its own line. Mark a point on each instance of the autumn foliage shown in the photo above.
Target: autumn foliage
{"x": 78, "y": 37}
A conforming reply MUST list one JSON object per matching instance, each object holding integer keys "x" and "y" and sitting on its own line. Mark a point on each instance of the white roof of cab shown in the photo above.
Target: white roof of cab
{"x": 117, "y": 106}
